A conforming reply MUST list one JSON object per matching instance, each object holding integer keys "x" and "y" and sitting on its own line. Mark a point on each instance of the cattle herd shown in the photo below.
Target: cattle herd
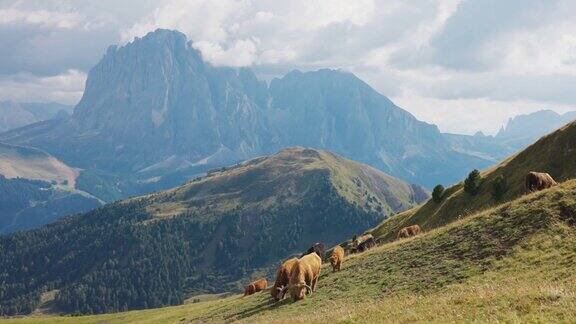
{"x": 299, "y": 276}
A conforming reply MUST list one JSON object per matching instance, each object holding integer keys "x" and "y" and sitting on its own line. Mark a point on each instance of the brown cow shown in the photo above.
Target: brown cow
{"x": 536, "y": 181}
{"x": 409, "y": 231}
{"x": 304, "y": 276}
{"x": 282, "y": 279}
{"x": 256, "y": 286}
{"x": 336, "y": 258}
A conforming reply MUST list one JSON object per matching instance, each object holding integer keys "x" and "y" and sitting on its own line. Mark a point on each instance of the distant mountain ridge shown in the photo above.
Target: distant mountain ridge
{"x": 203, "y": 236}
{"x": 17, "y": 114}
{"x": 522, "y": 130}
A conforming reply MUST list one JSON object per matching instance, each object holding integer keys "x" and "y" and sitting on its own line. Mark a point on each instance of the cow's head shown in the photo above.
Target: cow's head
{"x": 299, "y": 291}
{"x": 249, "y": 290}
{"x": 278, "y": 292}
{"x": 333, "y": 260}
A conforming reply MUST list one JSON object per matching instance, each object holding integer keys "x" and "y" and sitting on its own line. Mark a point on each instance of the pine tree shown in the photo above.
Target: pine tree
{"x": 438, "y": 193}
{"x": 499, "y": 187}
{"x": 473, "y": 182}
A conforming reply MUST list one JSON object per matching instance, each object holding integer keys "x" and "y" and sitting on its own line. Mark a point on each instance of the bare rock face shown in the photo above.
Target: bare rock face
{"x": 155, "y": 98}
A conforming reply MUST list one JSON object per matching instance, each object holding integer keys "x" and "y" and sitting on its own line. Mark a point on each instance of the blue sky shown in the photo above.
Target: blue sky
{"x": 463, "y": 65}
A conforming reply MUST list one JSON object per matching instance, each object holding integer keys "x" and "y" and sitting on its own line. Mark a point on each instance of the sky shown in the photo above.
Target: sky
{"x": 465, "y": 66}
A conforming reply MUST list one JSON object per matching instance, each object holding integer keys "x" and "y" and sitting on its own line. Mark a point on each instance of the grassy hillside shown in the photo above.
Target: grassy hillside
{"x": 36, "y": 189}
{"x": 207, "y": 236}
{"x": 33, "y": 164}
{"x": 263, "y": 182}
{"x": 554, "y": 153}
{"x": 511, "y": 263}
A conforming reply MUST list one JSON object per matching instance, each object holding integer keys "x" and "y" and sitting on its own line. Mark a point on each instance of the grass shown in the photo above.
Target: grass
{"x": 512, "y": 263}
{"x": 553, "y": 153}
{"x": 280, "y": 178}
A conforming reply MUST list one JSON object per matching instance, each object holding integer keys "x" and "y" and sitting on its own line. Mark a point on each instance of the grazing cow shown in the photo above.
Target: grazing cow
{"x": 536, "y": 181}
{"x": 366, "y": 245}
{"x": 304, "y": 276}
{"x": 282, "y": 279}
{"x": 360, "y": 239}
{"x": 409, "y": 231}
{"x": 336, "y": 258}
{"x": 318, "y": 248}
{"x": 256, "y": 286}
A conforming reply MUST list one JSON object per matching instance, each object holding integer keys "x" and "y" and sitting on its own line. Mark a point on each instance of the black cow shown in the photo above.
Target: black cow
{"x": 366, "y": 245}
{"x": 318, "y": 248}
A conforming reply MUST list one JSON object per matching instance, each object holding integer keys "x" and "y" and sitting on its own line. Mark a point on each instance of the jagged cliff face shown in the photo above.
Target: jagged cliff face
{"x": 153, "y": 108}
{"x": 155, "y": 98}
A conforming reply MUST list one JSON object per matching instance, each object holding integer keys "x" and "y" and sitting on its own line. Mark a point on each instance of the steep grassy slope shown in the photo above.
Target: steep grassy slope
{"x": 512, "y": 263}
{"x": 206, "y": 236}
{"x": 554, "y": 153}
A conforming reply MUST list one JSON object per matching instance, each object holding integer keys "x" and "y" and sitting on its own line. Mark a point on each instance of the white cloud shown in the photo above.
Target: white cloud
{"x": 467, "y": 116}
{"x": 65, "y": 88}
{"x": 200, "y": 20}
{"x": 41, "y": 17}
{"x": 225, "y": 31}
{"x": 536, "y": 52}
{"x": 242, "y": 53}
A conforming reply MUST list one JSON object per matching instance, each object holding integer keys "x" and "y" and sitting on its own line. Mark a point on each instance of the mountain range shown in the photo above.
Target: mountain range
{"x": 154, "y": 114}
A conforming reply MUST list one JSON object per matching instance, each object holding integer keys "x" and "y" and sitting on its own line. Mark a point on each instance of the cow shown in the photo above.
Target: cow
{"x": 409, "y": 231}
{"x": 360, "y": 239}
{"x": 317, "y": 248}
{"x": 366, "y": 245}
{"x": 256, "y": 286}
{"x": 336, "y": 258}
{"x": 304, "y": 276}
{"x": 536, "y": 181}
{"x": 282, "y": 279}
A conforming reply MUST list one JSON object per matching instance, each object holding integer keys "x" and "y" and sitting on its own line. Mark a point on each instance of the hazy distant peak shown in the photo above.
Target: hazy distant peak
{"x": 535, "y": 124}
